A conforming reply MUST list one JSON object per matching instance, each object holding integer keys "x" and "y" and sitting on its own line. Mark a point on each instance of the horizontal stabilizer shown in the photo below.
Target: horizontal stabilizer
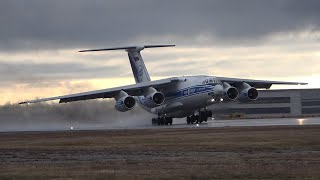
{"x": 128, "y": 47}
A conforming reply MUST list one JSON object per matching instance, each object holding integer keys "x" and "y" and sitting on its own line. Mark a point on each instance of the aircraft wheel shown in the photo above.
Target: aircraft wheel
{"x": 188, "y": 120}
{"x": 192, "y": 119}
{"x": 162, "y": 122}
{"x": 205, "y": 116}
{"x": 202, "y": 116}
{"x": 197, "y": 118}
{"x": 166, "y": 120}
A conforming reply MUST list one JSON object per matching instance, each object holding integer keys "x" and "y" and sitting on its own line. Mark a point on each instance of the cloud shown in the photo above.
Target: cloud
{"x": 30, "y": 72}
{"x": 37, "y": 24}
{"x": 39, "y": 41}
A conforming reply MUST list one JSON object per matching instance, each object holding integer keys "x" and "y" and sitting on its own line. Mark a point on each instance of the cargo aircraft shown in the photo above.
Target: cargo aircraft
{"x": 174, "y": 97}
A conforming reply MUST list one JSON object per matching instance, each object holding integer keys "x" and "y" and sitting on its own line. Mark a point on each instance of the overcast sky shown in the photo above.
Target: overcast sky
{"x": 39, "y": 40}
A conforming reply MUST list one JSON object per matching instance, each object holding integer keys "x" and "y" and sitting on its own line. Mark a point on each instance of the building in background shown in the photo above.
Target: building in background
{"x": 273, "y": 103}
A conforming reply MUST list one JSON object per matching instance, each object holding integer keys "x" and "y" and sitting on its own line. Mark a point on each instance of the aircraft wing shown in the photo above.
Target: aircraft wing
{"x": 133, "y": 90}
{"x": 260, "y": 84}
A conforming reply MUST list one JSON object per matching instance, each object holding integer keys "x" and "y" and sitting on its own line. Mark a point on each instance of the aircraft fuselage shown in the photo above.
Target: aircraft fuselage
{"x": 189, "y": 94}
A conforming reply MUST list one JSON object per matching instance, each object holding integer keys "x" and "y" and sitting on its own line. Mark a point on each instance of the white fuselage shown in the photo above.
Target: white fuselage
{"x": 186, "y": 96}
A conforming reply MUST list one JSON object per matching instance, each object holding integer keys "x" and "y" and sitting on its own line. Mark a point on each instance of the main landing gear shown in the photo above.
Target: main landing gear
{"x": 201, "y": 117}
{"x": 162, "y": 121}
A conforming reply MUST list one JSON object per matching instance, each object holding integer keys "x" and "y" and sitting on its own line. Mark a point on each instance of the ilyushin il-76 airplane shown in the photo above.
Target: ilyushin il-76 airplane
{"x": 175, "y": 97}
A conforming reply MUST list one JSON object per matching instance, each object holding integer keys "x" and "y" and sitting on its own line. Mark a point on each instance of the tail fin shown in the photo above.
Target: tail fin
{"x": 138, "y": 67}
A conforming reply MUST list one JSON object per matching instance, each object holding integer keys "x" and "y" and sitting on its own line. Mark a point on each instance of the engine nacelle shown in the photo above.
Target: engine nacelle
{"x": 230, "y": 93}
{"x": 248, "y": 93}
{"x": 124, "y": 102}
{"x": 153, "y": 98}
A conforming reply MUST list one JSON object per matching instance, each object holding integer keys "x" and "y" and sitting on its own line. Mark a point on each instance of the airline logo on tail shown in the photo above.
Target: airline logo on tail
{"x": 140, "y": 73}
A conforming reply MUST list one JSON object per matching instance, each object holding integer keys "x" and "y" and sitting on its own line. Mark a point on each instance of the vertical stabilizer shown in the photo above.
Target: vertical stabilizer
{"x": 138, "y": 67}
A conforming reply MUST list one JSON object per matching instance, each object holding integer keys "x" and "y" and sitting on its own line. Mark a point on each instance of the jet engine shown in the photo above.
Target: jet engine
{"x": 124, "y": 102}
{"x": 152, "y": 98}
{"x": 248, "y": 93}
{"x": 231, "y": 93}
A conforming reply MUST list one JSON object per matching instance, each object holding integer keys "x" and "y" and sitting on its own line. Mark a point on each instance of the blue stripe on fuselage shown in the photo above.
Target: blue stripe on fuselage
{"x": 190, "y": 91}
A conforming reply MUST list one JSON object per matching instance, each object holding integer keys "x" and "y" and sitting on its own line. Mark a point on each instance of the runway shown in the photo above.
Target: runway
{"x": 181, "y": 123}
{"x": 145, "y": 124}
